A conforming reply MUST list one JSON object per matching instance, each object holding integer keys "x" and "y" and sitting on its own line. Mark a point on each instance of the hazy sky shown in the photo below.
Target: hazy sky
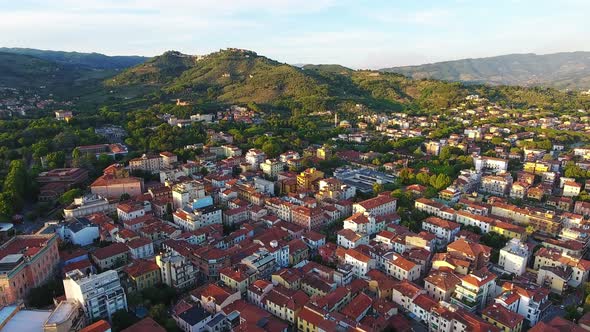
{"x": 355, "y": 33}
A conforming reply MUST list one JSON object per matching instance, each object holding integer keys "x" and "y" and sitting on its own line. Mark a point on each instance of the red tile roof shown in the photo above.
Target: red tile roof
{"x": 145, "y": 325}
{"x": 100, "y": 326}
{"x": 110, "y": 251}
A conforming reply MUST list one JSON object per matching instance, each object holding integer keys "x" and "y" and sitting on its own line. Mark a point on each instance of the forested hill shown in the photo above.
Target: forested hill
{"x": 568, "y": 70}
{"x": 242, "y": 76}
{"x": 78, "y": 59}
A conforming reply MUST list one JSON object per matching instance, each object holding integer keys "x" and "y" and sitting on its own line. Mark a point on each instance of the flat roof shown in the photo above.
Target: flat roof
{"x": 24, "y": 320}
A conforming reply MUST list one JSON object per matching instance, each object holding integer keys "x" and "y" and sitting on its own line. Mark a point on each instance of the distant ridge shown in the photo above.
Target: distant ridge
{"x": 77, "y": 59}
{"x": 566, "y": 70}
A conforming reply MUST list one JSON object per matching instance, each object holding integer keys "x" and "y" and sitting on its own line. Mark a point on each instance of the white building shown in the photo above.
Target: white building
{"x": 176, "y": 270}
{"x": 490, "y": 164}
{"x": 514, "y": 257}
{"x": 255, "y": 157}
{"x": 381, "y": 205}
{"x": 272, "y": 167}
{"x": 444, "y": 230}
{"x": 87, "y": 205}
{"x": 186, "y": 192}
{"x": 400, "y": 268}
{"x": 100, "y": 295}
{"x": 571, "y": 189}
{"x": 192, "y": 220}
{"x": 361, "y": 263}
{"x": 79, "y": 231}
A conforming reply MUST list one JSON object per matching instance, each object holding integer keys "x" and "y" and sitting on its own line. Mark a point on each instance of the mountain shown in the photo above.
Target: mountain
{"x": 569, "y": 70}
{"x": 26, "y": 71}
{"x": 84, "y": 60}
{"x": 242, "y": 76}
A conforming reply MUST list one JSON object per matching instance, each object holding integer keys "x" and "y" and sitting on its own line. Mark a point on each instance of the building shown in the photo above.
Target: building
{"x": 285, "y": 303}
{"x": 255, "y": 157}
{"x": 63, "y": 115}
{"x": 365, "y": 223}
{"x": 490, "y": 164}
{"x": 145, "y": 325}
{"x": 530, "y": 301}
{"x": 143, "y": 274}
{"x": 87, "y": 205}
{"x": 401, "y": 268}
{"x": 473, "y": 291}
{"x": 478, "y": 255}
{"x": 347, "y": 238}
{"x": 147, "y": 163}
{"x": 100, "y": 295}
{"x": 110, "y": 257}
{"x": 67, "y": 316}
{"x": 440, "y": 285}
{"x": 26, "y": 261}
{"x": 571, "y": 189}
{"x": 272, "y": 167}
{"x": 190, "y": 220}
{"x": 498, "y": 185}
{"x": 505, "y": 319}
{"x": 176, "y": 270}
{"x": 308, "y": 179}
{"x": 360, "y": 262}
{"x": 187, "y": 192}
{"x": 444, "y": 230}
{"x": 571, "y": 269}
{"x": 115, "y": 182}
{"x": 79, "y": 231}
{"x": 381, "y": 205}
{"x": 514, "y": 257}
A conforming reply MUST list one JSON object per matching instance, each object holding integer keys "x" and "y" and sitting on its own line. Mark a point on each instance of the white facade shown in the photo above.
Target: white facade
{"x": 87, "y": 205}
{"x": 514, "y": 257}
{"x": 100, "y": 295}
{"x": 186, "y": 192}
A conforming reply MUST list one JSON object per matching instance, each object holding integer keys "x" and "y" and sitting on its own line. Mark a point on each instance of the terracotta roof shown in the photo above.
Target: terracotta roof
{"x": 100, "y": 326}
{"x": 110, "y": 251}
{"x": 145, "y": 325}
{"x": 443, "y": 280}
{"x": 502, "y": 315}
{"x": 449, "y": 225}
{"x": 357, "y": 307}
{"x": 214, "y": 291}
{"x": 425, "y": 302}
{"x": 140, "y": 267}
{"x": 372, "y": 203}
{"x": 357, "y": 255}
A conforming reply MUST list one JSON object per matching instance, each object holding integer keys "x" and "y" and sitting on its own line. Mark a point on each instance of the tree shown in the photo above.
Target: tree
{"x": 158, "y": 313}
{"x": 377, "y": 188}
{"x": 68, "y": 197}
{"x": 124, "y": 197}
{"x": 122, "y": 319}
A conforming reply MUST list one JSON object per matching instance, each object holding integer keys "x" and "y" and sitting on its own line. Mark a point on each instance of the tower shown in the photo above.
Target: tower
{"x": 335, "y": 119}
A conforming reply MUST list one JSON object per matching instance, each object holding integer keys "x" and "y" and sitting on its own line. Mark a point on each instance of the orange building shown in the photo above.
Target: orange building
{"x": 26, "y": 261}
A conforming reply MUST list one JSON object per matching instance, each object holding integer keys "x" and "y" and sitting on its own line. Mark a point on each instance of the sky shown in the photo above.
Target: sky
{"x": 355, "y": 33}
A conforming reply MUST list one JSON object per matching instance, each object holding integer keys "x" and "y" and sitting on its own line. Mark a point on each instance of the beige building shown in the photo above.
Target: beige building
{"x": 67, "y": 316}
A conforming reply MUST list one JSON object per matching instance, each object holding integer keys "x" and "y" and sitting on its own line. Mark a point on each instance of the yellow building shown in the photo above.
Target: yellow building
{"x": 307, "y": 178}
{"x": 289, "y": 278}
{"x": 312, "y": 320}
{"x": 509, "y": 230}
{"x": 324, "y": 153}
{"x": 535, "y": 167}
{"x": 143, "y": 274}
{"x": 504, "y": 319}
{"x": 238, "y": 277}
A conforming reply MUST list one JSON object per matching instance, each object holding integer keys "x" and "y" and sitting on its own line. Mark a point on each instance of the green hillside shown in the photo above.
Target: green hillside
{"x": 560, "y": 70}
{"x": 78, "y": 59}
{"x": 241, "y": 76}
